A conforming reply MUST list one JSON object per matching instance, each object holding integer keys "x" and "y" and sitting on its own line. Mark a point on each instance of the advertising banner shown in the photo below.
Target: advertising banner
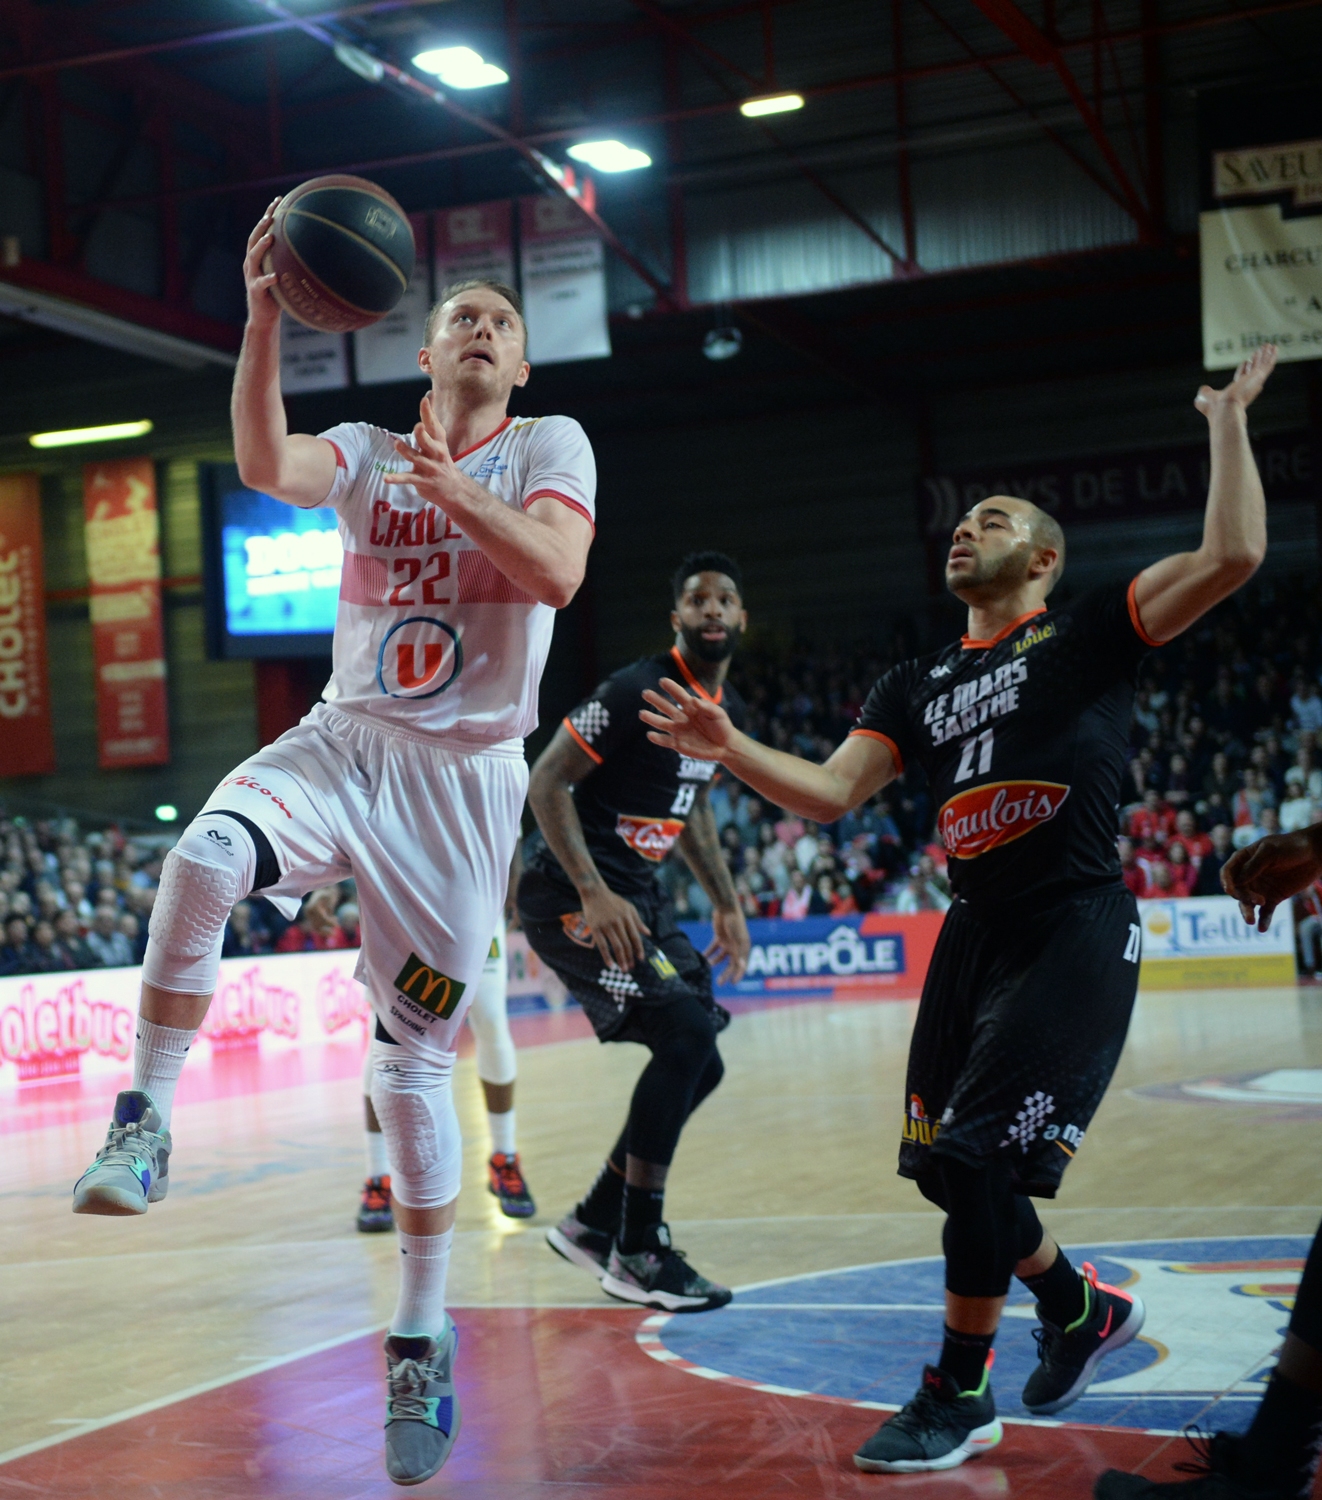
{"x": 878, "y": 954}
{"x": 128, "y": 642}
{"x": 564, "y": 282}
{"x": 311, "y": 360}
{"x": 388, "y": 350}
{"x": 1203, "y": 943}
{"x": 1260, "y": 229}
{"x": 27, "y": 747}
{"x": 474, "y": 241}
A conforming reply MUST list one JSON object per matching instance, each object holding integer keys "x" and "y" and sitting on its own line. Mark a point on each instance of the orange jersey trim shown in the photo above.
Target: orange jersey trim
{"x": 971, "y": 645}
{"x": 876, "y": 734}
{"x": 496, "y": 433}
{"x": 564, "y": 500}
{"x": 582, "y": 743}
{"x": 1133, "y": 615}
{"x": 692, "y": 680}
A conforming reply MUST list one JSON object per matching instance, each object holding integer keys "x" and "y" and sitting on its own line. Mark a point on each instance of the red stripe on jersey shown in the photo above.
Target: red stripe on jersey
{"x": 339, "y": 457}
{"x": 1134, "y": 619}
{"x": 363, "y": 579}
{"x": 564, "y": 500}
{"x": 482, "y": 582}
{"x": 876, "y": 734}
{"x": 457, "y": 456}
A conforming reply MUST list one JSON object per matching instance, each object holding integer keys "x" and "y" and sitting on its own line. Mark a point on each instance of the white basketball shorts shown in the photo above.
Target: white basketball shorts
{"x": 426, "y": 831}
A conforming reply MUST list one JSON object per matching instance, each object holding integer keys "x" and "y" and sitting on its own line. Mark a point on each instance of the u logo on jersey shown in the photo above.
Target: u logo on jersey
{"x": 419, "y": 658}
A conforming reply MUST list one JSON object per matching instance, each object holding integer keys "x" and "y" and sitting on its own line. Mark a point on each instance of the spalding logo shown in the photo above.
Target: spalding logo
{"x": 653, "y": 838}
{"x": 986, "y": 817}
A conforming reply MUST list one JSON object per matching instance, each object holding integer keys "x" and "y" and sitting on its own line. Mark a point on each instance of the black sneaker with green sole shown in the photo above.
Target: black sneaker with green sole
{"x": 941, "y": 1428}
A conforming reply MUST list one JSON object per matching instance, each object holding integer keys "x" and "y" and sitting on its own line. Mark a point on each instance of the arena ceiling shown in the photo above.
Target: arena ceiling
{"x": 139, "y": 140}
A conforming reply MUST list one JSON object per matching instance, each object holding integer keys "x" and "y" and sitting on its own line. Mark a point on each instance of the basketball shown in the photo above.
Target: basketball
{"x": 342, "y": 253}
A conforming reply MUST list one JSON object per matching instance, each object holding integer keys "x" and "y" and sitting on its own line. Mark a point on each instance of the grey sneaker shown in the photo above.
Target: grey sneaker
{"x": 422, "y": 1405}
{"x": 581, "y": 1245}
{"x": 132, "y": 1169}
{"x": 659, "y": 1276}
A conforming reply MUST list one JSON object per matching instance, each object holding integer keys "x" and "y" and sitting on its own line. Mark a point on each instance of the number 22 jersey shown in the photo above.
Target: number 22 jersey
{"x": 1024, "y": 739}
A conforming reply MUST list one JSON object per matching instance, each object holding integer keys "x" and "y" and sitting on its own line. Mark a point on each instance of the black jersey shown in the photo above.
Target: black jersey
{"x": 634, "y": 805}
{"x": 1024, "y": 740}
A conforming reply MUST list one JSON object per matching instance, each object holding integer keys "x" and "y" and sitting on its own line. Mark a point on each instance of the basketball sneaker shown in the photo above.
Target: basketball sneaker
{"x": 581, "y": 1245}
{"x": 375, "y": 1214}
{"x": 132, "y": 1169}
{"x": 422, "y": 1405}
{"x": 1216, "y": 1470}
{"x": 1068, "y": 1357}
{"x": 659, "y": 1276}
{"x": 505, "y": 1180}
{"x": 939, "y": 1428}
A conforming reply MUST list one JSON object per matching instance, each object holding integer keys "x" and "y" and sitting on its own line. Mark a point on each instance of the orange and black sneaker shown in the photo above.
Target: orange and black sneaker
{"x": 374, "y": 1212}
{"x": 505, "y": 1180}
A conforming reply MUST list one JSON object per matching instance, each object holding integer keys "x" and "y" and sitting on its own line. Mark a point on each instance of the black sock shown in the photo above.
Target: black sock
{"x": 1283, "y": 1444}
{"x": 601, "y": 1208}
{"x": 643, "y": 1209}
{"x": 1060, "y": 1292}
{"x": 964, "y": 1357}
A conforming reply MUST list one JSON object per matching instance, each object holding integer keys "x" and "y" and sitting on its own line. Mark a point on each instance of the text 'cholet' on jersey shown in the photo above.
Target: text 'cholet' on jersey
{"x": 636, "y": 801}
{"x": 430, "y": 636}
{"x": 1024, "y": 740}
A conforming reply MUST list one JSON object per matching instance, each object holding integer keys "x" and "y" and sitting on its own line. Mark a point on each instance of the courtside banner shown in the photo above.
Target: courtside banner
{"x": 27, "y": 747}
{"x": 878, "y": 955}
{"x": 128, "y": 642}
{"x": 1203, "y": 943}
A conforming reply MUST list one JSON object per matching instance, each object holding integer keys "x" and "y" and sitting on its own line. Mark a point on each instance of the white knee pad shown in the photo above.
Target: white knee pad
{"x": 496, "y": 1058}
{"x": 415, "y": 1105}
{"x": 209, "y": 869}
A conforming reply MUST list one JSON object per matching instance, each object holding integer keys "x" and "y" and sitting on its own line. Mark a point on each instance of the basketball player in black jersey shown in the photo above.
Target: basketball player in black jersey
{"x": 1277, "y": 1458}
{"x": 610, "y": 806}
{"x": 1022, "y": 729}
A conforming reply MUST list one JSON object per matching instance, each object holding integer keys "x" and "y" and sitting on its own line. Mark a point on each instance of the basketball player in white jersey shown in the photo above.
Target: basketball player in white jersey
{"x": 461, "y": 540}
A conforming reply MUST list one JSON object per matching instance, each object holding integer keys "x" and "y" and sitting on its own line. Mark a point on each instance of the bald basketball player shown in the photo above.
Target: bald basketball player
{"x": 1022, "y": 729}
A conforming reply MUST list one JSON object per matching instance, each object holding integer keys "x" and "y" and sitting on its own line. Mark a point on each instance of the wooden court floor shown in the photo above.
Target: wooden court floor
{"x": 227, "y": 1344}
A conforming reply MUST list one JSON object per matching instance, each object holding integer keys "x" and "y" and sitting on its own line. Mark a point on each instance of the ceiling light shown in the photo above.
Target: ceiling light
{"x": 110, "y": 433}
{"x": 460, "y": 68}
{"x": 167, "y": 812}
{"x": 610, "y": 156}
{"x": 722, "y": 343}
{"x": 773, "y": 104}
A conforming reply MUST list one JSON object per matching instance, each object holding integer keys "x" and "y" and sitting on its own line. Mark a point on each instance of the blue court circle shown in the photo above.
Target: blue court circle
{"x": 1217, "y": 1310}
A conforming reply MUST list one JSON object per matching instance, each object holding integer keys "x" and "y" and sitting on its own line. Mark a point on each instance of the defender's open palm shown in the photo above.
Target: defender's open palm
{"x": 1268, "y": 872}
{"x": 1245, "y": 388}
{"x": 691, "y": 725}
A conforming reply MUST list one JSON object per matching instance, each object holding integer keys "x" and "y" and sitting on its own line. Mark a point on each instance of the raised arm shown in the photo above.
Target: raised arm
{"x": 701, "y": 848}
{"x": 1173, "y": 593}
{"x": 617, "y": 928}
{"x": 695, "y": 726}
{"x": 293, "y": 467}
{"x": 543, "y": 550}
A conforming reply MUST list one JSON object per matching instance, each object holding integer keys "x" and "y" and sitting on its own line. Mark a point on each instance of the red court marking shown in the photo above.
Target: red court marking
{"x": 557, "y": 1405}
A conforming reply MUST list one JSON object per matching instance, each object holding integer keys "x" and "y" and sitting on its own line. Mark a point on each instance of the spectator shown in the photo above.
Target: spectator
{"x": 1208, "y": 880}
{"x": 69, "y": 935}
{"x": 1153, "y": 821}
{"x": 48, "y": 957}
{"x": 106, "y": 941}
{"x": 805, "y": 847}
{"x": 347, "y": 917}
{"x": 843, "y": 903}
{"x": 794, "y": 903}
{"x": 821, "y": 895}
{"x": 136, "y": 934}
{"x": 1306, "y": 704}
{"x": 1195, "y": 844}
{"x": 1181, "y": 869}
{"x": 1249, "y": 833}
{"x": 1308, "y": 929}
{"x": 18, "y": 956}
{"x": 1130, "y": 870}
{"x": 1297, "y": 808}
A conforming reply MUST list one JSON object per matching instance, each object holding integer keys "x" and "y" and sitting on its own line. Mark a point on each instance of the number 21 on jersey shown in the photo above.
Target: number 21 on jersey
{"x": 979, "y": 744}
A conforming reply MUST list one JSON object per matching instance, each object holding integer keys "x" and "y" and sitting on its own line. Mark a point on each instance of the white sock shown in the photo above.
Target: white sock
{"x": 423, "y": 1261}
{"x": 502, "y": 1132}
{"x": 378, "y": 1163}
{"x": 159, "y": 1055}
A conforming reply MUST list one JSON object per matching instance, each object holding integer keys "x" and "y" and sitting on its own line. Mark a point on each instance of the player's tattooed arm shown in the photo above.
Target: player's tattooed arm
{"x": 1173, "y": 593}
{"x": 294, "y": 467}
{"x": 857, "y": 770}
{"x": 701, "y": 847}
{"x": 617, "y": 928}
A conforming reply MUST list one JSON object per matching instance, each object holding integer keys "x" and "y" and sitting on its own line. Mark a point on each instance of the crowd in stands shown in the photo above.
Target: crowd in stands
{"x": 1225, "y": 746}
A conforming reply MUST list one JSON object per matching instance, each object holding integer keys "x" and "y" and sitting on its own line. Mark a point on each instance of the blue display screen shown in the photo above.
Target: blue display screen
{"x": 281, "y": 566}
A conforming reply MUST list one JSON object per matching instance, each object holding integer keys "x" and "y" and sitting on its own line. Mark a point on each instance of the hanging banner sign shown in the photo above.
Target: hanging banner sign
{"x": 388, "y": 350}
{"x": 474, "y": 241}
{"x": 27, "y": 747}
{"x": 564, "y": 283}
{"x": 1260, "y": 229}
{"x": 128, "y": 643}
{"x": 311, "y": 360}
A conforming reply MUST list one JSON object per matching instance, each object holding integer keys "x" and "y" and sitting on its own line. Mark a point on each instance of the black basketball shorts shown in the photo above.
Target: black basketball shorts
{"x": 672, "y": 968}
{"x": 1020, "y": 1027}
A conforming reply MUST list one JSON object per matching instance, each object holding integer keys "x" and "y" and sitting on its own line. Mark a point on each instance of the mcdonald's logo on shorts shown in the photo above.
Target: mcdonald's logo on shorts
{"x": 428, "y": 987}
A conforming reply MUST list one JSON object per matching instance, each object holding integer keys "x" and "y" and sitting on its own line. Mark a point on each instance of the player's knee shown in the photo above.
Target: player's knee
{"x": 688, "y": 1043}
{"x": 411, "y": 1094}
{"x": 208, "y": 870}
{"x": 979, "y": 1237}
{"x": 496, "y": 1060}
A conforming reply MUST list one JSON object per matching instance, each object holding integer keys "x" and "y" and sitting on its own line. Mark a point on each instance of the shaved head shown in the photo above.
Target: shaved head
{"x": 1047, "y": 532}
{"x": 998, "y": 545}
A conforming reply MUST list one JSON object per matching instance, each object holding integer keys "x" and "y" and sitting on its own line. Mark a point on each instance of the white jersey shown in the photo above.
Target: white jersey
{"x": 430, "y": 636}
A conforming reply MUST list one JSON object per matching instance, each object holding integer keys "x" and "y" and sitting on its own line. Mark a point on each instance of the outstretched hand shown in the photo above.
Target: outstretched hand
{"x": 1268, "y": 872}
{"x": 1245, "y": 388}
{"x": 432, "y": 472}
{"x": 693, "y": 726}
{"x": 262, "y": 307}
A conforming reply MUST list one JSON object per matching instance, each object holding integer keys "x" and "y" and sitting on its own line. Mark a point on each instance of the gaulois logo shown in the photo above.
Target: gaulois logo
{"x": 653, "y": 838}
{"x": 428, "y": 987}
{"x": 985, "y": 817}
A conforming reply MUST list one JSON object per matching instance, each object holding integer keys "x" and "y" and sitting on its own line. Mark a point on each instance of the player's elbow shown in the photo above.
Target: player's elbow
{"x": 559, "y": 587}
{"x": 1237, "y": 565}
